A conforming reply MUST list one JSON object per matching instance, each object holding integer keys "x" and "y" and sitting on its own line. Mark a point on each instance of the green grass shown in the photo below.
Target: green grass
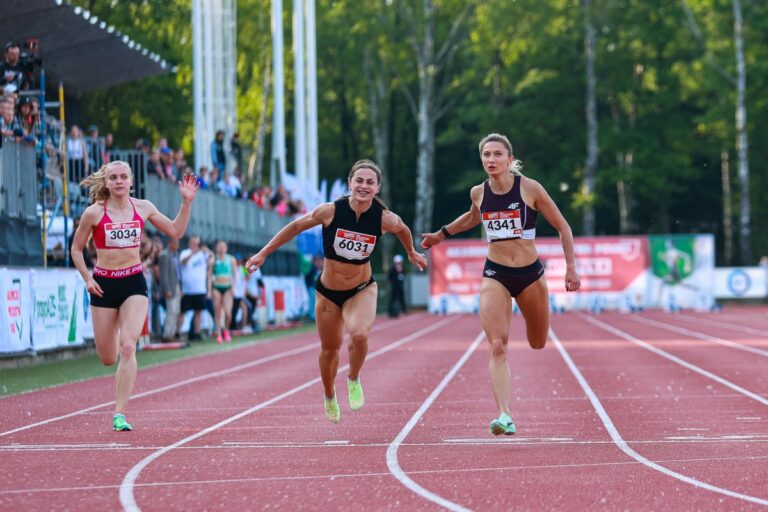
{"x": 20, "y": 380}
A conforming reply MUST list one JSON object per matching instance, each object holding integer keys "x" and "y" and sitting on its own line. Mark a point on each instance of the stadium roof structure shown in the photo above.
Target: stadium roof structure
{"x": 77, "y": 48}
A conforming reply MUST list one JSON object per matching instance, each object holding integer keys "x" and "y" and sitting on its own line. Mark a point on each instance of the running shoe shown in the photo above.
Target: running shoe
{"x": 356, "y": 398}
{"x": 119, "y": 423}
{"x": 227, "y": 337}
{"x": 219, "y": 339}
{"x": 503, "y": 425}
{"x": 332, "y": 409}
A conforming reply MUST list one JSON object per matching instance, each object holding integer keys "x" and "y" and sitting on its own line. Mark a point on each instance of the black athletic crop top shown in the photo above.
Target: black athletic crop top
{"x": 506, "y": 216}
{"x": 349, "y": 239}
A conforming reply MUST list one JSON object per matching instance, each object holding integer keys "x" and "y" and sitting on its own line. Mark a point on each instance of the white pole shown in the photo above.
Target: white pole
{"x": 208, "y": 97}
{"x": 197, "y": 84}
{"x": 277, "y": 169}
{"x": 299, "y": 94}
{"x": 312, "y": 151}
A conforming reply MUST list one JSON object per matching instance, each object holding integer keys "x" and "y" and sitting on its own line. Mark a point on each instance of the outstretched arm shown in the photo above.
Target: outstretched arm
{"x": 392, "y": 223}
{"x": 320, "y": 215}
{"x": 175, "y": 228}
{"x": 88, "y": 220}
{"x": 463, "y": 222}
{"x": 548, "y": 208}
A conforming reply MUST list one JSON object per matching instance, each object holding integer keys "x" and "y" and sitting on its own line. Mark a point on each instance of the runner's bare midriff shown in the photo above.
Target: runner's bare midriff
{"x": 338, "y": 275}
{"x": 116, "y": 259}
{"x": 513, "y": 253}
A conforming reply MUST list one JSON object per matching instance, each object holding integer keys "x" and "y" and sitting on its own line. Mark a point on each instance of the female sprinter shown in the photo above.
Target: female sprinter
{"x": 345, "y": 290}
{"x": 117, "y": 287}
{"x": 508, "y": 203}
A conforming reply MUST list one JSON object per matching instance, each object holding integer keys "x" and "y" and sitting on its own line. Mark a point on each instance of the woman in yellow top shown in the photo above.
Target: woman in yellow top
{"x": 223, "y": 271}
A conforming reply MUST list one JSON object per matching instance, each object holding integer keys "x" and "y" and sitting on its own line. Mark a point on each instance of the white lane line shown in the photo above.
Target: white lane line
{"x": 699, "y": 335}
{"x": 257, "y": 362}
{"x": 675, "y": 359}
{"x": 327, "y": 477}
{"x": 749, "y": 417}
{"x": 715, "y": 323}
{"x": 128, "y": 500}
{"x": 623, "y": 446}
{"x": 392, "y": 462}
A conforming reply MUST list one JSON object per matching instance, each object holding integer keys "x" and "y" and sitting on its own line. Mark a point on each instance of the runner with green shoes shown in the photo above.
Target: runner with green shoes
{"x": 356, "y": 397}
{"x": 503, "y": 425}
{"x": 119, "y": 423}
{"x": 332, "y": 409}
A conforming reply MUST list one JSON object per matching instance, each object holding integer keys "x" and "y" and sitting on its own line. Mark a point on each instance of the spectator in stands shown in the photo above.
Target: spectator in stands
{"x": 231, "y": 187}
{"x": 255, "y": 295}
{"x": 77, "y": 154}
{"x": 117, "y": 287}
{"x": 169, "y": 280}
{"x": 194, "y": 284}
{"x": 26, "y": 121}
{"x": 93, "y": 145}
{"x": 203, "y": 177}
{"x": 236, "y": 152}
{"x": 9, "y": 127}
{"x": 279, "y": 200}
{"x": 166, "y": 160}
{"x": 180, "y": 162}
{"x": 218, "y": 155}
{"x": 109, "y": 148}
{"x": 155, "y": 166}
{"x": 10, "y": 70}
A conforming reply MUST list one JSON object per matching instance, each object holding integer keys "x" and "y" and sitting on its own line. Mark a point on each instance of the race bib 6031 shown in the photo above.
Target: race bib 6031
{"x": 352, "y": 245}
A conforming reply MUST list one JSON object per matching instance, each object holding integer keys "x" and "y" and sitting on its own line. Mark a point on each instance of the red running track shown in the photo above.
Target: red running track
{"x": 619, "y": 412}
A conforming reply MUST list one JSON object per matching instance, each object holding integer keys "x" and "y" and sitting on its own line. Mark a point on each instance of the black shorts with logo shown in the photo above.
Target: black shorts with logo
{"x": 514, "y": 279}
{"x": 339, "y": 297}
{"x": 118, "y": 289}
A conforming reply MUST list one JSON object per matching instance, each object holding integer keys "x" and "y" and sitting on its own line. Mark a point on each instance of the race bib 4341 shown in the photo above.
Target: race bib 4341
{"x": 502, "y": 225}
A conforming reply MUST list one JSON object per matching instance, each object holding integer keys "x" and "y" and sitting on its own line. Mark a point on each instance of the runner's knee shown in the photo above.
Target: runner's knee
{"x": 498, "y": 348}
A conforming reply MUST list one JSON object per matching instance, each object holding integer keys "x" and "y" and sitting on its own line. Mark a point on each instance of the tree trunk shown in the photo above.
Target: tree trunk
{"x": 742, "y": 144}
{"x": 590, "y": 166}
{"x": 725, "y": 176}
{"x": 256, "y": 162}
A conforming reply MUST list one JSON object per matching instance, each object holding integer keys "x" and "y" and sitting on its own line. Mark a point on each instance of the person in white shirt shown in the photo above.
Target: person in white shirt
{"x": 195, "y": 284}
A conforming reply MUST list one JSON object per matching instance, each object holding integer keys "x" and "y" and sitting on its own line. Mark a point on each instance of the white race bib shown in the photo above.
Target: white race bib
{"x": 122, "y": 234}
{"x": 352, "y": 245}
{"x": 504, "y": 225}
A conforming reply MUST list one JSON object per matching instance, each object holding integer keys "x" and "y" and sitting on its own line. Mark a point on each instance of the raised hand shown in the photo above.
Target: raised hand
{"x": 188, "y": 187}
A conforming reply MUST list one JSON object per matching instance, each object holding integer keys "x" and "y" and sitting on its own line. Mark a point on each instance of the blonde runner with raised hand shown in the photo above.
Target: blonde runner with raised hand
{"x": 117, "y": 286}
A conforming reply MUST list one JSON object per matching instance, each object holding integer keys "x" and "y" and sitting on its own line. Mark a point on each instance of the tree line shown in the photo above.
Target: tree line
{"x": 639, "y": 117}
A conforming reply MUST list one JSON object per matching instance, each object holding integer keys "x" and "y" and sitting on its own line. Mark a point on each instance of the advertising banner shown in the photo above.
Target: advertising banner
{"x": 741, "y": 283}
{"x": 621, "y": 273}
{"x": 15, "y": 302}
{"x": 56, "y": 304}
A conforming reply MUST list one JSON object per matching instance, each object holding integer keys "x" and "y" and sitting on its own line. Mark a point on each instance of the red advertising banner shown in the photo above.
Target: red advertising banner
{"x": 604, "y": 264}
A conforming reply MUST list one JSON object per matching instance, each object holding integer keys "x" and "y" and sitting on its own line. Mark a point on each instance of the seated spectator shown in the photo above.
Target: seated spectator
{"x": 10, "y": 70}
{"x": 26, "y": 121}
{"x": 231, "y": 186}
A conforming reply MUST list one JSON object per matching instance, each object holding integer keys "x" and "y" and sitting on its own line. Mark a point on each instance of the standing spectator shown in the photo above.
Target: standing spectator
{"x": 232, "y": 187}
{"x": 169, "y": 280}
{"x": 194, "y": 284}
{"x": 255, "y": 293}
{"x": 93, "y": 145}
{"x": 109, "y": 147}
{"x": 166, "y": 160}
{"x": 239, "y": 301}
{"x": 180, "y": 162}
{"x": 155, "y": 166}
{"x": 396, "y": 278}
{"x": 236, "y": 152}
{"x": 77, "y": 154}
{"x": 223, "y": 271}
{"x": 10, "y": 71}
{"x": 218, "y": 156}
{"x": 10, "y": 124}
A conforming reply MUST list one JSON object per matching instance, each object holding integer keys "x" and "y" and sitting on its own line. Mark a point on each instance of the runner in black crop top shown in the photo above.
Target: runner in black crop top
{"x": 345, "y": 290}
{"x": 350, "y": 239}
